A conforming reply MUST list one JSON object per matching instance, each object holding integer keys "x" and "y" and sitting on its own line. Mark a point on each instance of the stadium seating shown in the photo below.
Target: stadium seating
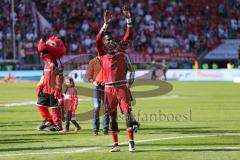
{"x": 195, "y": 25}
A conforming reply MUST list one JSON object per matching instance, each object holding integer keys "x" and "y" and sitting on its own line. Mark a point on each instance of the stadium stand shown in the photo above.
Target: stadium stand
{"x": 191, "y": 26}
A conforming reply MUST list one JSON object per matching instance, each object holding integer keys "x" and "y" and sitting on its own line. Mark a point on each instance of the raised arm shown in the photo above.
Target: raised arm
{"x": 99, "y": 43}
{"x": 126, "y": 12}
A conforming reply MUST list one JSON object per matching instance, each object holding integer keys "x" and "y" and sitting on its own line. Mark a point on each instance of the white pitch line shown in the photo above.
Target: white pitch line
{"x": 180, "y": 149}
{"x": 85, "y": 99}
{"x": 18, "y": 104}
{"x": 33, "y": 103}
{"x": 89, "y": 149}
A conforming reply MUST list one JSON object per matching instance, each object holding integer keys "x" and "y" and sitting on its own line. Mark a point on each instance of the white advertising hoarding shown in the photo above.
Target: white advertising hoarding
{"x": 177, "y": 74}
{"x": 203, "y": 75}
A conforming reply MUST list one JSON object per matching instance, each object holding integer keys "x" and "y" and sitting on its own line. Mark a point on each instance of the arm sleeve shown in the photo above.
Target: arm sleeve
{"x": 99, "y": 44}
{"x": 100, "y": 77}
{"x": 130, "y": 69}
{"x": 128, "y": 35}
{"x": 90, "y": 71}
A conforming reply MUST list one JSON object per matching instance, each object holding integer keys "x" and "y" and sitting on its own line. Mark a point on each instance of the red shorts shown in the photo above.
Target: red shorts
{"x": 114, "y": 96}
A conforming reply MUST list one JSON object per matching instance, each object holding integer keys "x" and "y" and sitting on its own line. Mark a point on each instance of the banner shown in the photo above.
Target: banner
{"x": 172, "y": 74}
{"x": 135, "y": 58}
{"x": 148, "y": 58}
{"x": 203, "y": 75}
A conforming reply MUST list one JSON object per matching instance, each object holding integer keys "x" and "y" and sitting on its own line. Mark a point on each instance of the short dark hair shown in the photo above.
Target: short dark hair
{"x": 107, "y": 34}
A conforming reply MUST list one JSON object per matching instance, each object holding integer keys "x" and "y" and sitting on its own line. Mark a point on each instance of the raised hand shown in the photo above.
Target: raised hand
{"x": 107, "y": 16}
{"x": 126, "y": 11}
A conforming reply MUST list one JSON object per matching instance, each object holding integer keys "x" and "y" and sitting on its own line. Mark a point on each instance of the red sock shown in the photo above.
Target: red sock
{"x": 57, "y": 118}
{"x": 44, "y": 112}
{"x": 115, "y": 137}
{"x": 130, "y": 134}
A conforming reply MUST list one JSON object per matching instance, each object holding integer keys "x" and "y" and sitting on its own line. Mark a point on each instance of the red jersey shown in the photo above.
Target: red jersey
{"x": 50, "y": 82}
{"x": 100, "y": 46}
{"x": 115, "y": 66}
{"x": 70, "y": 100}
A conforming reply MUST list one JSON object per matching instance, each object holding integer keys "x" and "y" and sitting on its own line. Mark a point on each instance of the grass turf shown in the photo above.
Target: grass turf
{"x": 196, "y": 120}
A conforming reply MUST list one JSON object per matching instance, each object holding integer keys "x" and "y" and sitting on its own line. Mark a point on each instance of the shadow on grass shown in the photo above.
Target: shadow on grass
{"x": 141, "y": 131}
{"x": 12, "y": 125}
{"x": 190, "y": 150}
{"x": 18, "y": 123}
{"x": 28, "y": 140}
{"x": 15, "y": 130}
{"x": 186, "y": 130}
{"x": 47, "y": 133}
{"x": 24, "y": 123}
{"x": 44, "y": 148}
{"x": 20, "y": 141}
{"x": 191, "y": 145}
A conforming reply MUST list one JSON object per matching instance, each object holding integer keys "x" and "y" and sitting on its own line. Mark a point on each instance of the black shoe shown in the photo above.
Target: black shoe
{"x": 105, "y": 133}
{"x": 136, "y": 126}
{"x": 54, "y": 128}
{"x": 95, "y": 133}
{"x": 45, "y": 124}
{"x": 131, "y": 147}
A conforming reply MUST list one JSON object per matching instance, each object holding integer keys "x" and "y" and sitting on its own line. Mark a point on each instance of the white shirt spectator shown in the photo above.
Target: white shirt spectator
{"x": 143, "y": 38}
{"x": 187, "y": 46}
{"x": 149, "y": 50}
{"x": 182, "y": 18}
{"x": 29, "y": 36}
{"x": 221, "y": 31}
{"x": 74, "y": 46}
{"x": 87, "y": 42}
{"x": 8, "y": 35}
{"x": 139, "y": 9}
{"x": 62, "y": 32}
{"x": 148, "y": 18}
{"x": 1, "y": 35}
{"x": 167, "y": 50}
{"x": 18, "y": 36}
{"x": 234, "y": 24}
{"x": 85, "y": 26}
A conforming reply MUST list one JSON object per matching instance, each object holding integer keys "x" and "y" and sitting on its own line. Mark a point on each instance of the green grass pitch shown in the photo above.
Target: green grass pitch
{"x": 195, "y": 121}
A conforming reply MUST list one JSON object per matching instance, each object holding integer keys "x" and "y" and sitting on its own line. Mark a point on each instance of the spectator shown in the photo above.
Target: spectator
{"x": 195, "y": 26}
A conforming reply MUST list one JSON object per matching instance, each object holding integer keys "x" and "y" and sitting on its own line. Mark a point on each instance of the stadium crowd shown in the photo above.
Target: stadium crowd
{"x": 160, "y": 26}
